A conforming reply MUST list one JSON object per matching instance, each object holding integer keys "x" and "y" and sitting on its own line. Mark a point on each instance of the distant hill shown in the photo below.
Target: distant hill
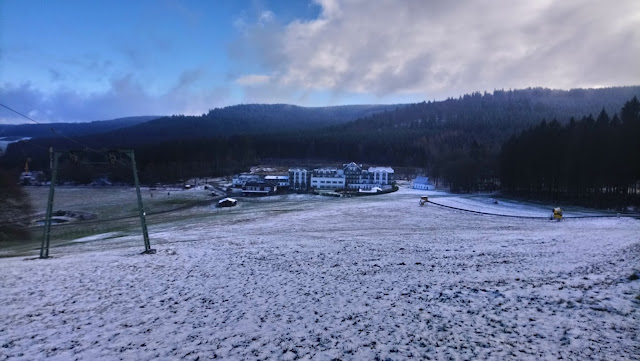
{"x": 504, "y": 111}
{"x": 71, "y": 129}
{"x": 244, "y": 119}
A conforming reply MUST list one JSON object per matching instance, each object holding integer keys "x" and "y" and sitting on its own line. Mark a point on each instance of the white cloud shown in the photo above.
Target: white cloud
{"x": 441, "y": 48}
{"x": 253, "y": 79}
{"x": 266, "y": 16}
{"x": 124, "y": 97}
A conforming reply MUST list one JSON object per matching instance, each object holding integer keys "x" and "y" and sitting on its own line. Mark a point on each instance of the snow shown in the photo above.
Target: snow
{"x": 5, "y": 141}
{"x": 101, "y": 236}
{"x": 488, "y": 203}
{"x": 308, "y": 277}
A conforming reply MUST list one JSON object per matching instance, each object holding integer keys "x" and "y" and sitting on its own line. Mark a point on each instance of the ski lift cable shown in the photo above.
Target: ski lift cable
{"x": 54, "y": 131}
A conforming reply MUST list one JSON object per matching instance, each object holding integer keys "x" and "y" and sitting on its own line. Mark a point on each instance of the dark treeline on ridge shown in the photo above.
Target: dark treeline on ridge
{"x": 591, "y": 161}
{"x": 458, "y": 141}
{"x": 243, "y": 119}
{"x": 70, "y": 129}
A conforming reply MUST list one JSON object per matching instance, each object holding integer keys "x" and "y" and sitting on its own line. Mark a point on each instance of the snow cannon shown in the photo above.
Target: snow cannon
{"x": 423, "y": 200}
{"x": 557, "y": 213}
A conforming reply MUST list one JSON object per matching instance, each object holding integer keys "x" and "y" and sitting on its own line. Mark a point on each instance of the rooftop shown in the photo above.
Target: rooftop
{"x": 381, "y": 169}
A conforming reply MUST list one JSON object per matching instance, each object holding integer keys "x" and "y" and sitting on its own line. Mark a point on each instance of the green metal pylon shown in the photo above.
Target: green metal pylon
{"x": 44, "y": 248}
{"x": 143, "y": 221}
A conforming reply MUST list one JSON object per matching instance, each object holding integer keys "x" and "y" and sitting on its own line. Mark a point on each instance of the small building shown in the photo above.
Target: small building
{"x": 281, "y": 181}
{"x": 422, "y": 183}
{"x": 258, "y": 189}
{"x": 227, "y": 202}
{"x": 239, "y": 180}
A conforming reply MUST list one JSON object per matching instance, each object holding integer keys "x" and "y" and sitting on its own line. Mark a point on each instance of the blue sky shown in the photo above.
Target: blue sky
{"x": 70, "y": 60}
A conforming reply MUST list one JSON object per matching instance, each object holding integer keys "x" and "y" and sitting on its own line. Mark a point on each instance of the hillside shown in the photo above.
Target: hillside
{"x": 244, "y": 119}
{"x": 312, "y": 278}
{"x": 501, "y": 112}
{"x": 71, "y": 129}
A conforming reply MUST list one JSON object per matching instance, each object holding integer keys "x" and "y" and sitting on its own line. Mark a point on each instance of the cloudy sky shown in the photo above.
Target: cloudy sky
{"x": 68, "y": 60}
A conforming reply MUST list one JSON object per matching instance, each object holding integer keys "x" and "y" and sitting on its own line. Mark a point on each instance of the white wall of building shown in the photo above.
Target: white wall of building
{"x": 298, "y": 178}
{"x": 426, "y": 187}
{"x": 327, "y": 182}
{"x": 335, "y": 178}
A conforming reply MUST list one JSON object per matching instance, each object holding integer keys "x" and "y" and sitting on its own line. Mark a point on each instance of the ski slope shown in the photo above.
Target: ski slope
{"x": 307, "y": 277}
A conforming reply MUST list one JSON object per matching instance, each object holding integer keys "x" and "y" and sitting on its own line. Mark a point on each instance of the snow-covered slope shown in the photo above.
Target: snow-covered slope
{"x": 324, "y": 278}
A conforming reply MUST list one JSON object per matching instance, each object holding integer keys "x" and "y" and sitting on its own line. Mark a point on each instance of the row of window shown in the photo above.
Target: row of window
{"x": 329, "y": 182}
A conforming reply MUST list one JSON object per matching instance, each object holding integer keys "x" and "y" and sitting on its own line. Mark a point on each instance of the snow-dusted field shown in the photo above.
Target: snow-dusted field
{"x": 307, "y": 277}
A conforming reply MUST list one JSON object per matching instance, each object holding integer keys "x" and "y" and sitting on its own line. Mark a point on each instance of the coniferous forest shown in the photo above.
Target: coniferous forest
{"x": 588, "y": 161}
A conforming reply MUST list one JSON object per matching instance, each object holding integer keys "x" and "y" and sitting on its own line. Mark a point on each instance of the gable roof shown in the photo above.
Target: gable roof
{"x": 421, "y": 180}
{"x": 352, "y": 164}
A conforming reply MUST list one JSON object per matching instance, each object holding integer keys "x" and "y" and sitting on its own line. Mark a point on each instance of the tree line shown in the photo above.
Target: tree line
{"x": 595, "y": 162}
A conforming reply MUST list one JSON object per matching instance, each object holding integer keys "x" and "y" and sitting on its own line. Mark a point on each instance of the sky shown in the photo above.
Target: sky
{"x": 75, "y": 60}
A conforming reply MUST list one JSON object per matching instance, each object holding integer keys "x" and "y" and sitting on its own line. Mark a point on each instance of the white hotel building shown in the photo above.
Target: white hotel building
{"x": 299, "y": 179}
{"x": 328, "y": 178}
{"x": 351, "y": 176}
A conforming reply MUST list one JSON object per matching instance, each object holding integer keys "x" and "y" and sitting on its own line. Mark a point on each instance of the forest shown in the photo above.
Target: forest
{"x": 590, "y": 161}
{"x": 468, "y": 143}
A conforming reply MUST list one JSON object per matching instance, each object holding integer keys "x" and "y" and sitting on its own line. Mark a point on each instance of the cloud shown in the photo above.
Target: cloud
{"x": 266, "y": 16}
{"x": 55, "y": 75}
{"x": 188, "y": 78}
{"x": 253, "y": 79}
{"x": 441, "y": 48}
{"x": 125, "y": 97}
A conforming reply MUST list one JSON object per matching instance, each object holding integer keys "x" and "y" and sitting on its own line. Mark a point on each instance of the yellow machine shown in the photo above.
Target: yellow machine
{"x": 557, "y": 213}
{"x": 423, "y": 200}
